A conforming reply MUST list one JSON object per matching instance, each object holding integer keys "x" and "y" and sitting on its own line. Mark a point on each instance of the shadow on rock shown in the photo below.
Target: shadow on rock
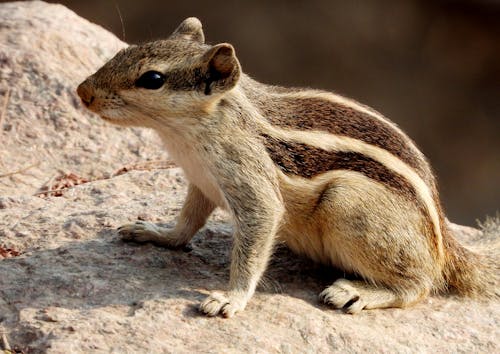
{"x": 107, "y": 271}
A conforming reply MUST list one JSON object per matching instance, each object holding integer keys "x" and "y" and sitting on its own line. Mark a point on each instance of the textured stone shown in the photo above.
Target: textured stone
{"x": 77, "y": 288}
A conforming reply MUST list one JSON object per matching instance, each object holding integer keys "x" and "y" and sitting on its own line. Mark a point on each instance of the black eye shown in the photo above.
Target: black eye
{"x": 151, "y": 80}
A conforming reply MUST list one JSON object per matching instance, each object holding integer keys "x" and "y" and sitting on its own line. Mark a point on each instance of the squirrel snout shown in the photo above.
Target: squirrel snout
{"x": 85, "y": 92}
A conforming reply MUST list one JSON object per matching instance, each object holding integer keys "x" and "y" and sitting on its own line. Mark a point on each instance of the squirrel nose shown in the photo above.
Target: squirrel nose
{"x": 85, "y": 92}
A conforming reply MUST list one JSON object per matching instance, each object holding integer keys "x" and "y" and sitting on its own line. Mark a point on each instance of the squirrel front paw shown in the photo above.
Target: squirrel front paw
{"x": 140, "y": 231}
{"x": 225, "y": 304}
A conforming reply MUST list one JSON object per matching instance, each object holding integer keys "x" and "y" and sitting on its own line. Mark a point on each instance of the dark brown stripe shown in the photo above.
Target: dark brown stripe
{"x": 309, "y": 161}
{"x": 185, "y": 79}
{"x": 195, "y": 80}
{"x": 323, "y": 115}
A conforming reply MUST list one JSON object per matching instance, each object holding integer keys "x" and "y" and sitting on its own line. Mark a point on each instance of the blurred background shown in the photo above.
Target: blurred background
{"x": 431, "y": 66}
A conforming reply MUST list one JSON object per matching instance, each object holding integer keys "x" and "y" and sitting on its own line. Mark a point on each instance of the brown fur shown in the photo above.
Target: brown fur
{"x": 332, "y": 178}
{"x": 308, "y": 161}
{"x": 318, "y": 114}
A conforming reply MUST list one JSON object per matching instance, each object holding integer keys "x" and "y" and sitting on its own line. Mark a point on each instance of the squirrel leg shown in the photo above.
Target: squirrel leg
{"x": 250, "y": 255}
{"x": 382, "y": 237}
{"x": 195, "y": 211}
{"x": 257, "y": 210}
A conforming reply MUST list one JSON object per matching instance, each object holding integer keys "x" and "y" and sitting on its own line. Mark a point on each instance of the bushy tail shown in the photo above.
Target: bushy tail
{"x": 474, "y": 270}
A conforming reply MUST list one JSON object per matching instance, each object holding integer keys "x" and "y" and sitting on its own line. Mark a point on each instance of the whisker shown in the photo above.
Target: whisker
{"x": 121, "y": 19}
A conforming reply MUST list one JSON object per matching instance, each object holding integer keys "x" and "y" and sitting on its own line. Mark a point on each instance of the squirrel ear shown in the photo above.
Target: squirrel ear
{"x": 222, "y": 67}
{"x": 221, "y": 60}
{"x": 190, "y": 29}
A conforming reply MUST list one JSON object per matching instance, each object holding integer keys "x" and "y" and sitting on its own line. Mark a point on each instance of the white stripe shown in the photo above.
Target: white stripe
{"x": 331, "y": 142}
{"x": 331, "y": 97}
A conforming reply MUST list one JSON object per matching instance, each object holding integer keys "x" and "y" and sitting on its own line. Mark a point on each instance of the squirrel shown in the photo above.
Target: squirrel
{"x": 331, "y": 178}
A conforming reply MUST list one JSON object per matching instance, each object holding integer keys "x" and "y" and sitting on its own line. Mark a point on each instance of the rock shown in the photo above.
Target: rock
{"x": 45, "y": 51}
{"x": 76, "y": 288}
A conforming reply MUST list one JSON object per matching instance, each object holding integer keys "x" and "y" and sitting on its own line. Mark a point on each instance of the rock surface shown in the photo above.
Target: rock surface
{"x": 75, "y": 287}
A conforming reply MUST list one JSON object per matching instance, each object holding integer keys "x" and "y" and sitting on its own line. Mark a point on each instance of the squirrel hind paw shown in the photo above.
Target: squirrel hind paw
{"x": 355, "y": 296}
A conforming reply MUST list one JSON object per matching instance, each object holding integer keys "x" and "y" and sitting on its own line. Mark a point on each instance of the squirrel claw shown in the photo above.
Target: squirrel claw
{"x": 217, "y": 303}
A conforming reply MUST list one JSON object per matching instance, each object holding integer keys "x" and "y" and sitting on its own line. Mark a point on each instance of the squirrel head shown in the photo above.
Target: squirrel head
{"x": 175, "y": 77}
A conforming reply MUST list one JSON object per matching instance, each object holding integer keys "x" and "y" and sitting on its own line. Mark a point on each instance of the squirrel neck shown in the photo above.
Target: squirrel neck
{"x": 240, "y": 105}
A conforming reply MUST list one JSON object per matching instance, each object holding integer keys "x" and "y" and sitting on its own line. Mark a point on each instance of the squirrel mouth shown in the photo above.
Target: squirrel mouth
{"x": 108, "y": 118}
{"x": 115, "y": 121}
{"x": 110, "y": 115}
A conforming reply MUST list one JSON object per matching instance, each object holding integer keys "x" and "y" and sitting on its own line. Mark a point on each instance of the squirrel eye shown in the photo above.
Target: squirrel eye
{"x": 151, "y": 80}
